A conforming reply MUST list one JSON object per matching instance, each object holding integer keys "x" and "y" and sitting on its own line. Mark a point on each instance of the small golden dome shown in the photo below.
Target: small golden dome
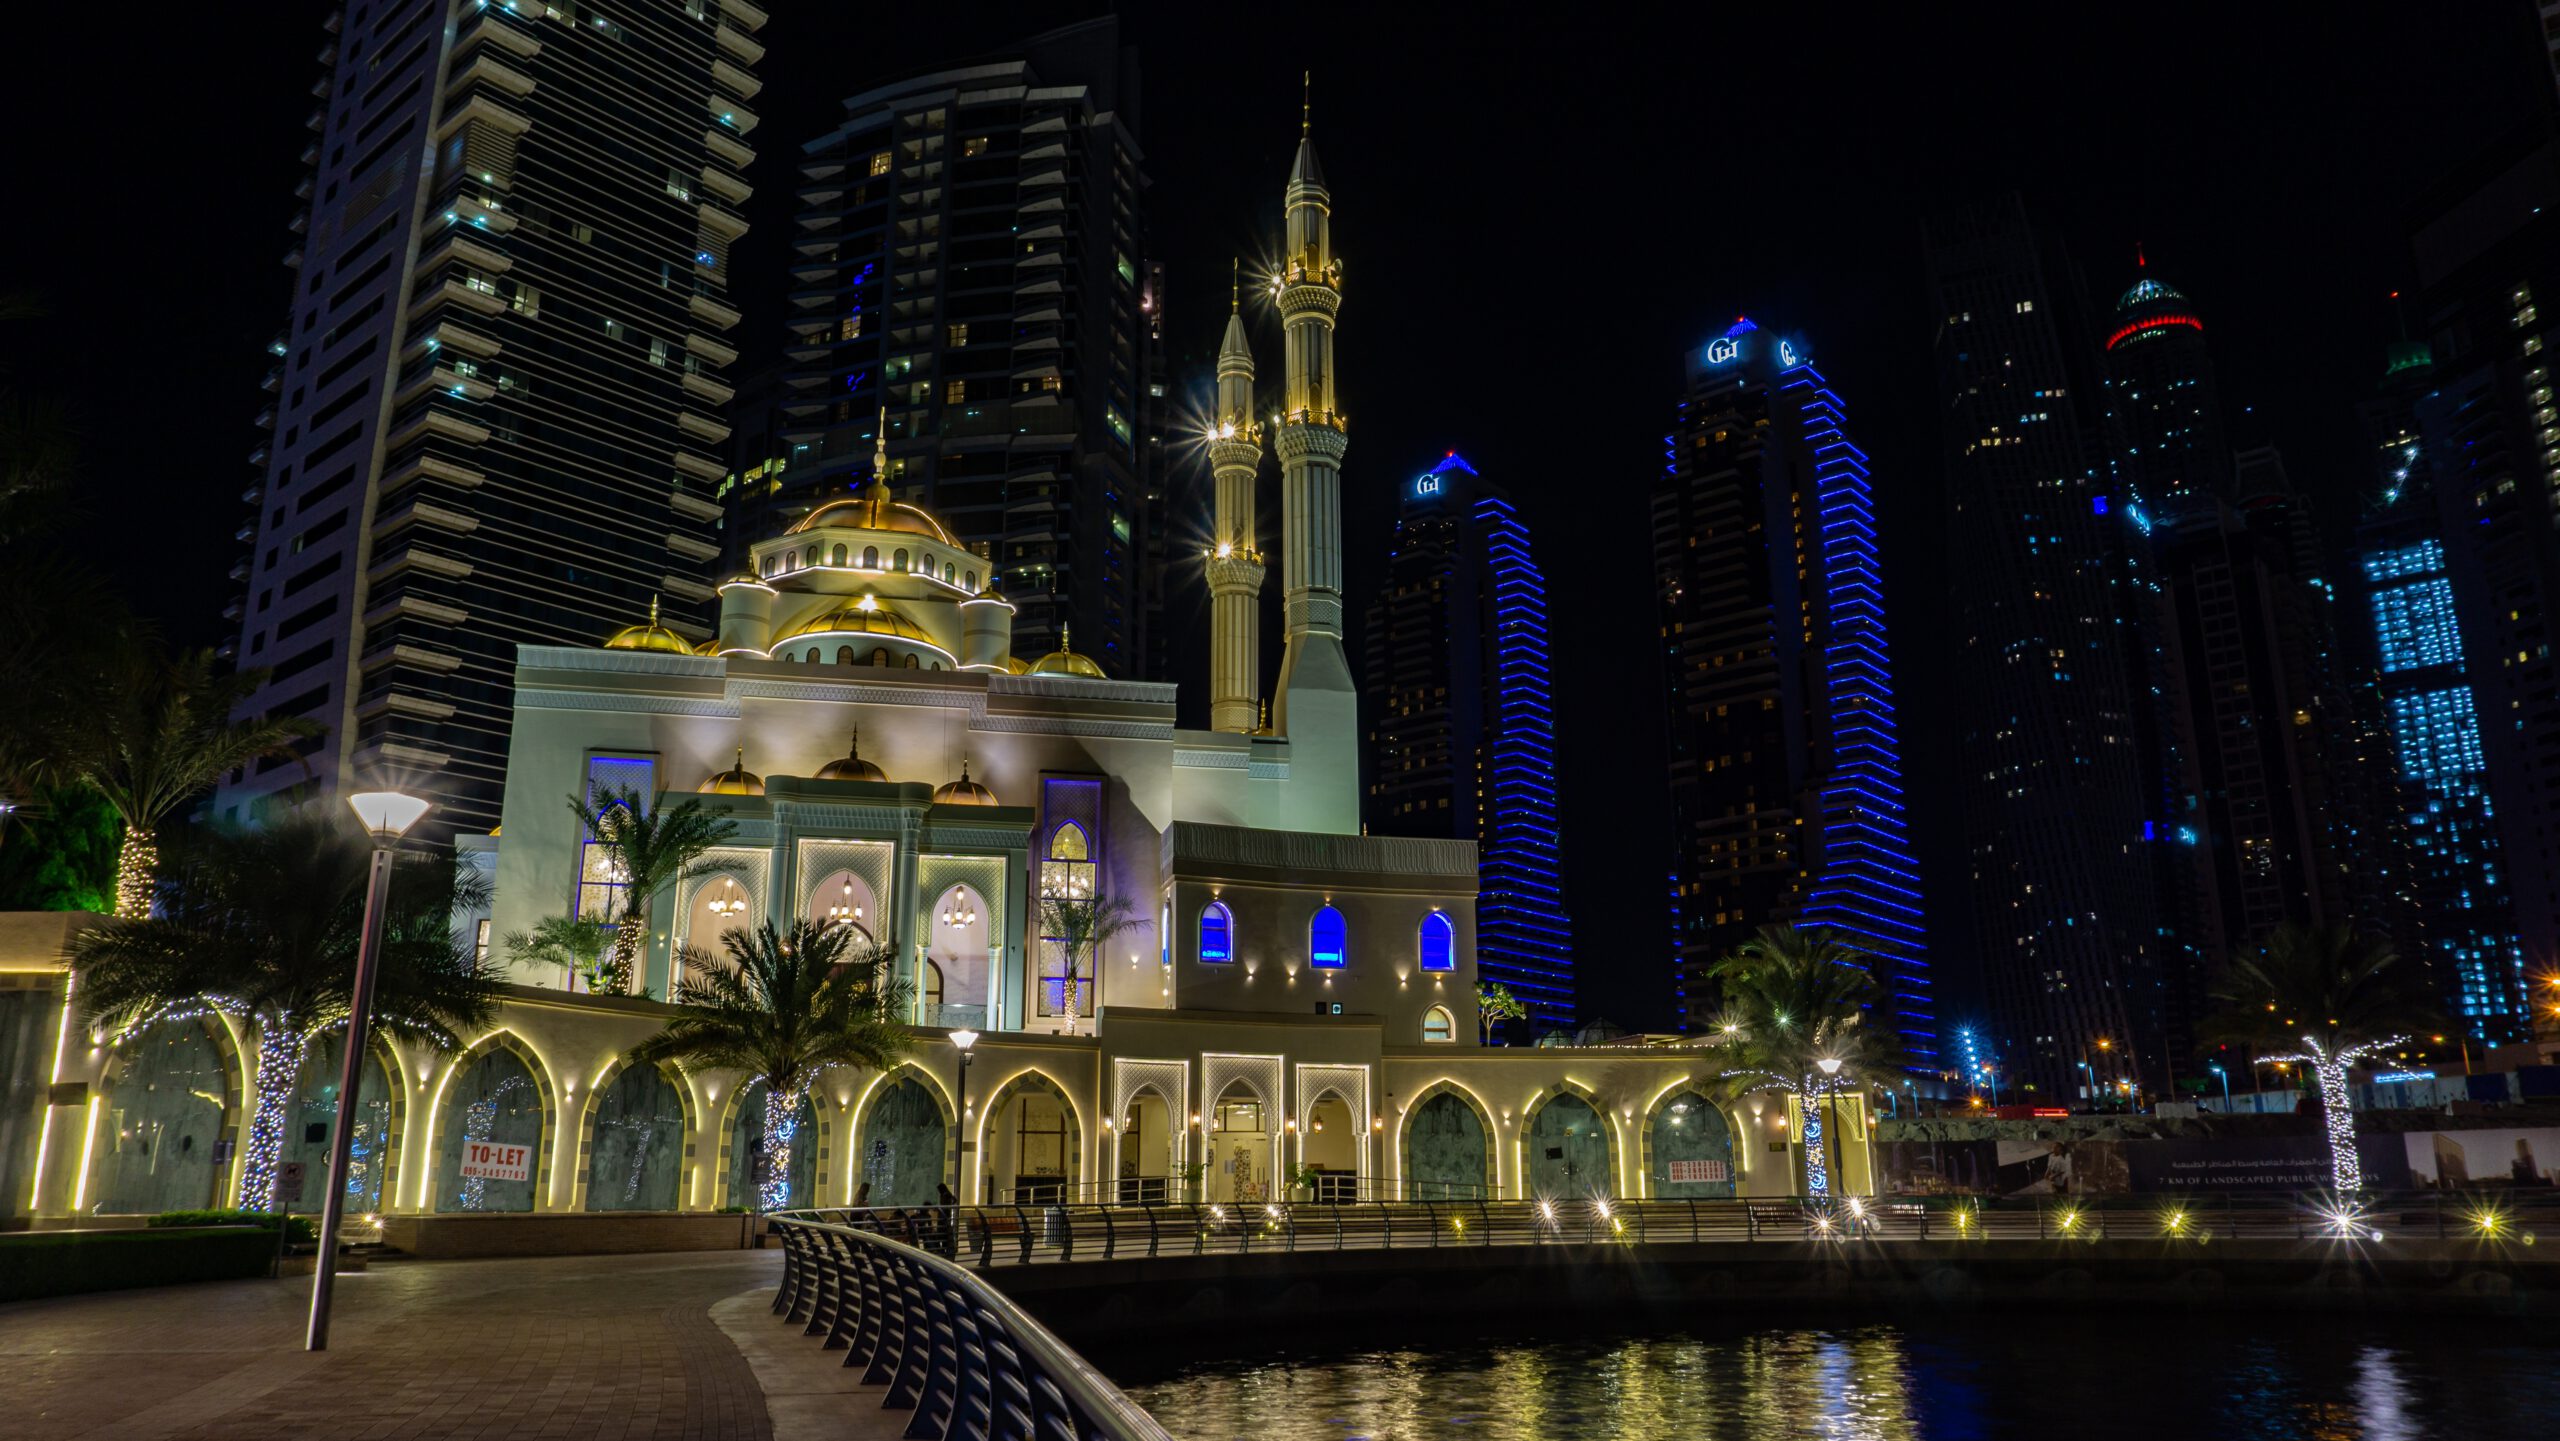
{"x": 1065, "y": 661}
{"x": 1016, "y": 665}
{"x": 738, "y": 781}
{"x": 867, "y": 616}
{"x": 852, "y": 767}
{"x": 871, "y": 509}
{"x": 964, "y": 791}
{"x": 651, "y": 636}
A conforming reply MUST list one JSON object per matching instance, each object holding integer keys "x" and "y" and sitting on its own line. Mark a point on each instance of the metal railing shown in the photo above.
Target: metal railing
{"x": 947, "y": 1345}
{"x": 985, "y": 1236}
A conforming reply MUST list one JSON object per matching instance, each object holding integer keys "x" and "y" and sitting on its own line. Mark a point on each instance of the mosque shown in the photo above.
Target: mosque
{"x": 1297, "y": 1017}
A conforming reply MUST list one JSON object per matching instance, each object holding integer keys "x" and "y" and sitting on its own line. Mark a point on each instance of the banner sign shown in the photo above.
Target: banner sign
{"x": 1700, "y": 1171}
{"x": 496, "y": 1161}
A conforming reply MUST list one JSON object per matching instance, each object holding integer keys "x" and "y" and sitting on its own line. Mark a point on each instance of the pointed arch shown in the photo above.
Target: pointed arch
{"x": 548, "y": 1094}
{"x": 605, "y": 1077}
{"x": 1031, "y": 1077}
{"x": 859, "y": 1114}
{"x": 725, "y": 1129}
{"x": 1654, "y": 1113}
{"x": 1581, "y": 1173}
{"x": 1446, "y": 1086}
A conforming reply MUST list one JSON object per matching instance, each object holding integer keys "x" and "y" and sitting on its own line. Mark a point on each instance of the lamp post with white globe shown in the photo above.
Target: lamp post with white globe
{"x": 387, "y": 815}
{"x": 961, "y": 1041}
{"x": 1830, "y": 1076}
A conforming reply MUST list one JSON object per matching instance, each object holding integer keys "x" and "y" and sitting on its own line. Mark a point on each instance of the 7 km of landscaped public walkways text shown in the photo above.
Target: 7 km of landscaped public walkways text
{"x": 623, "y": 1347}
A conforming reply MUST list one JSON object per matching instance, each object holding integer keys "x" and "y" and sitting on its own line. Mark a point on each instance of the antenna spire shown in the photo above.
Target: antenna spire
{"x": 1235, "y": 286}
{"x": 1307, "y": 106}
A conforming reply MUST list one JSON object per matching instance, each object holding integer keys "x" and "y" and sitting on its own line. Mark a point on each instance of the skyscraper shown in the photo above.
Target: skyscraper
{"x": 498, "y": 397}
{"x": 970, "y": 265}
{"x": 2051, "y": 709}
{"x": 2460, "y": 898}
{"x": 2163, "y": 407}
{"x": 1786, "y": 767}
{"x": 1461, "y": 726}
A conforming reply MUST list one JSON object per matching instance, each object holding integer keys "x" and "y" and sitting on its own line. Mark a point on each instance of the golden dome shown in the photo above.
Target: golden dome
{"x": 867, "y": 616}
{"x": 872, "y": 509}
{"x": 1065, "y": 661}
{"x": 1016, "y": 665}
{"x": 965, "y": 792}
{"x": 738, "y": 781}
{"x": 852, "y": 767}
{"x": 651, "y": 636}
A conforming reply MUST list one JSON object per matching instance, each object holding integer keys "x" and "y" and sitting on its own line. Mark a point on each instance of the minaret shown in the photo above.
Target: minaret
{"x": 1235, "y": 564}
{"x": 1318, "y": 710}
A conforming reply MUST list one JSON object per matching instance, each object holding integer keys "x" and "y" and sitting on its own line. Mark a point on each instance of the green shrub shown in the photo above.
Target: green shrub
{"x": 64, "y": 1263}
{"x": 304, "y": 1230}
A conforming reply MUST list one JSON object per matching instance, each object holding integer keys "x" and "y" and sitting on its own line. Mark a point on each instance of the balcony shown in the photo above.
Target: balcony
{"x": 703, "y": 427}
{"x": 732, "y": 79}
{"x": 418, "y": 657}
{"x": 438, "y": 424}
{"x": 444, "y": 380}
{"x": 725, "y": 185}
{"x": 744, "y": 12}
{"x": 699, "y": 467}
{"x": 400, "y": 702}
{"x": 690, "y": 548}
{"x": 735, "y": 42}
{"x": 448, "y": 336}
{"x": 726, "y": 146}
{"x": 719, "y": 222}
{"x": 491, "y": 30}
{"x": 705, "y": 308}
{"x": 430, "y": 467}
{"x": 487, "y": 69}
{"x": 410, "y": 557}
{"x": 707, "y": 388}
{"x": 731, "y": 114}
{"x": 462, "y": 247}
{"x": 392, "y": 755}
{"x": 717, "y": 352}
{"x": 686, "y": 503}
{"x": 488, "y": 112}
{"x": 427, "y": 513}
{"x": 480, "y": 215}
{"x": 454, "y": 292}
{"x": 410, "y": 607}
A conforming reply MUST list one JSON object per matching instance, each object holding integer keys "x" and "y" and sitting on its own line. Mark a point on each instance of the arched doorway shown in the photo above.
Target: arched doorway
{"x": 955, "y": 979}
{"x": 1446, "y": 1151}
{"x": 635, "y": 1154}
{"x": 905, "y": 1146}
{"x": 1329, "y": 1145}
{"x": 1568, "y": 1146}
{"x": 1148, "y": 1153}
{"x": 752, "y": 1158}
{"x": 167, "y": 1110}
{"x": 1689, "y": 1150}
{"x": 493, "y": 1098}
{"x": 1239, "y": 1129}
{"x": 311, "y": 1127}
{"x": 1033, "y": 1147}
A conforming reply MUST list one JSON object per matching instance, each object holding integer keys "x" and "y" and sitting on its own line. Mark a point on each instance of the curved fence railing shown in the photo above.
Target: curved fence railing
{"x": 1027, "y": 1234}
{"x": 947, "y": 1345}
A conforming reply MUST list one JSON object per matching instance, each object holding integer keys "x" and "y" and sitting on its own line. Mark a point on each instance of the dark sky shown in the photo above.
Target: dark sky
{"x": 1539, "y": 210}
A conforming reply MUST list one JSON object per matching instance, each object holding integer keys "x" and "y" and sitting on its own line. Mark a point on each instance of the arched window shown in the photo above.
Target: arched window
{"x": 932, "y": 986}
{"x": 838, "y": 556}
{"x": 871, "y": 557}
{"x": 1437, "y": 1025}
{"x": 811, "y": 558}
{"x": 937, "y": 665}
{"x": 768, "y": 565}
{"x": 1217, "y": 933}
{"x": 969, "y": 579}
{"x": 1067, "y": 874}
{"x": 815, "y": 656}
{"x": 910, "y": 662}
{"x": 928, "y": 566}
{"x": 880, "y": 655}
{"x": 1324, "y": 940}
{"x": 899, "y": 559}
{"x": 947, "y": 569}
{"x": 1439, "y": 943}
{"x": 844, "y": 655}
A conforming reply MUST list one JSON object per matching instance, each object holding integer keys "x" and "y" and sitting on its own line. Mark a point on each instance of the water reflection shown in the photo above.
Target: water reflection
{"x": 2151, "y": 1375}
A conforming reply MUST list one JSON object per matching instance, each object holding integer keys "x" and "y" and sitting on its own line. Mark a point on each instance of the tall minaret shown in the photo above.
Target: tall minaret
{"x": 1235, "y": 564}
{"x": 1318, "y": 710}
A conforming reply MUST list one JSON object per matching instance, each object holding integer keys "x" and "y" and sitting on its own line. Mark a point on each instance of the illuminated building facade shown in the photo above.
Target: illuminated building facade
{"x": 1786, "y": 768}
{"x": 969, "y": 267}
{"x": 1461, "y": 725}
{"x": 498, "y": 402}
{"x": 2052, "y": 702}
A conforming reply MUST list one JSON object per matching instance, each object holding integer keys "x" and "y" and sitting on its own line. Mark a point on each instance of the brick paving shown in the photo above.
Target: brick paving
{"x": 555, "y": 1349}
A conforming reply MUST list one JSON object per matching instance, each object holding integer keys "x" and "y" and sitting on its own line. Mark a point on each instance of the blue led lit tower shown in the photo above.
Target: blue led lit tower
{"x": 1786, "y": 780}
{"x": 1460, "y": 729}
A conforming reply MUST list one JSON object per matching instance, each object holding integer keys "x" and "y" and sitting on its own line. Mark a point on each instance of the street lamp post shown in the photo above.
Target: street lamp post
{"x": 1831, "y": 1133}
{"x": 2216, "y": 1068}
{"x": 388, "y": 815}
{"x": 2090, "y": 1086}
{"x": 961, "y": 1041}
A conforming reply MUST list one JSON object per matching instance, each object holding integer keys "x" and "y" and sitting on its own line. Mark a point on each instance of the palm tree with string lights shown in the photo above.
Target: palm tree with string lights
{"x": 1796, "y": 1014}
{"x": 1082, "y": 930}
{"x": 648, "y": 849}
{"x": 786, "y": 1006}
{"x": 264, "y": 925}
{"x": 2326, "y": 998}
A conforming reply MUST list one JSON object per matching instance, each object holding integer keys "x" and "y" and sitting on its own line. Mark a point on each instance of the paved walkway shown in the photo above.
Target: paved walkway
{"x": 570, "y": 1347}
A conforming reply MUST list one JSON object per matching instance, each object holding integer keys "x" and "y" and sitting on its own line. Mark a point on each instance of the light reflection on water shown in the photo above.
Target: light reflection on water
{"x": 2159, "y": 1375}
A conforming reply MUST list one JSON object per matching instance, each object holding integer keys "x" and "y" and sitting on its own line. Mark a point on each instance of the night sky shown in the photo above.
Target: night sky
{"x": 1538, "y": 212}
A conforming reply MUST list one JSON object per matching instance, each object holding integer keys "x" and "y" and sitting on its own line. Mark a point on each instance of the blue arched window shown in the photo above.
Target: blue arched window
{"x": 1217, "y": 933}
{"x": 1324, "y": 940}
{"x": 1439, "y": 943}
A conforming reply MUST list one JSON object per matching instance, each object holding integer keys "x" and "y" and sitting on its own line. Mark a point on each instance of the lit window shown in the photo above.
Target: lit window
{"x": 1325, "y": 940}
{"x": 973, "y": 146}
{"x": 880, "y": 163}
{"x": 1217, "y": 933}
{"x": 1437, "y": 1025}
{"x": 959, "y": 334}
{"x": 1439, "y": 943}
{"x": 955, "y": 392}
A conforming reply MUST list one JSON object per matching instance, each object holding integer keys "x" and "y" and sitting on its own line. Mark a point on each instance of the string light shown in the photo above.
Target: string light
{"x": 2329, "y": 1068}
{"x": 781, "y": 1128}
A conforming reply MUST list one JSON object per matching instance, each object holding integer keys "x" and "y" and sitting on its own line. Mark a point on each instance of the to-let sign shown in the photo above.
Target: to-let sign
{"x": 496, "y": 1161}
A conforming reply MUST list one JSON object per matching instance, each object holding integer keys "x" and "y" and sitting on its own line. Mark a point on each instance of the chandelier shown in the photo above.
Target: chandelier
{"x": 844, "y": 912}
{"x": 956, "y": 910}
{"x": 728, "y": 902}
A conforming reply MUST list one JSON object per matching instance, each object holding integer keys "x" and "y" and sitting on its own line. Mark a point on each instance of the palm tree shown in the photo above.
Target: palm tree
{"x": 787, "y": 1006}
{"x": 161, "y": 734}
{"x": 2341, "y": 997}
{"x": 576, "y": 944}
{"x": 650, "y": 850}
{"x": 1081, "y": 930}
{"x": 264, "y": 925}
{"x": 1494, "y": 1002}
{"x": 1799, "y": 998}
